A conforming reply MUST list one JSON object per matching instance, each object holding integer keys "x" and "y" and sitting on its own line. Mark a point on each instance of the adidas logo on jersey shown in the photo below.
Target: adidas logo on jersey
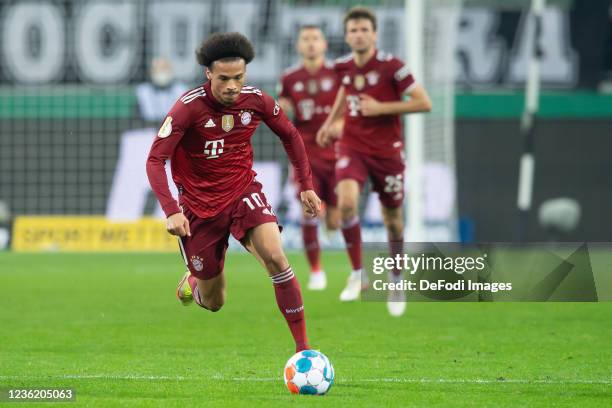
{"x": 209, "y": 124}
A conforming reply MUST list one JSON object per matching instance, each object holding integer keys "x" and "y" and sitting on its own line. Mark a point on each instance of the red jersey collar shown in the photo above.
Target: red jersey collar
{"x": 369, "y": 63}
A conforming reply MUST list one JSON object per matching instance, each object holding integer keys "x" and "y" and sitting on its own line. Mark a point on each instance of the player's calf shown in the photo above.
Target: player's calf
{"x": 394, "y": 222}
{"x": 214, "y": 304}
{"x": 208, "y": 294}
{"x": 264, "y": 243}
{"x": 348, "y": 199}
{"x": 332, "y": 218}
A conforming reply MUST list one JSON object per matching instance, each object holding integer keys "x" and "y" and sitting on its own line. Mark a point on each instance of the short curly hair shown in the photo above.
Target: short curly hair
{"x": 224, "y": 46}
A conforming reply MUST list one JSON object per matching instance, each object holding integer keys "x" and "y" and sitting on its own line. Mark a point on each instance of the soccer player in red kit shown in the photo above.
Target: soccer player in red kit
{"x": 309, "y": 90}
{"x": 371, "y": 98}
{"x": 207, "y": 137}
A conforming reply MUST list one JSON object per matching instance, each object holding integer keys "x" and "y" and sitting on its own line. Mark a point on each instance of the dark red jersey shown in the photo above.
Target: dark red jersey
{"x": 210, "y": 152}
{"x": 386, "y": 79}
{"x": 312, "y": 96}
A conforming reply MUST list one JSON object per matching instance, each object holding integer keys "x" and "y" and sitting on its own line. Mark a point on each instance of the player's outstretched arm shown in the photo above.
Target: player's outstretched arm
{"x": 418, "y": 102}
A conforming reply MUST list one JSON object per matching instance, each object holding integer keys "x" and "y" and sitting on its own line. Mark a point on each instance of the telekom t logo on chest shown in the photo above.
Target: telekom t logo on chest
{"x": 353, "y": 104}
{"x": 213, "y": 148}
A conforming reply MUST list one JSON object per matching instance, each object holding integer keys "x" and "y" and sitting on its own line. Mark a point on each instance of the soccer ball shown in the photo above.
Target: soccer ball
{"x": 309, "y": 372}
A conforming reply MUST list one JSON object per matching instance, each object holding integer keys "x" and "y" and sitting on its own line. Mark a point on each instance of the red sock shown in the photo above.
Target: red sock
{"x": 396, "y": 247}
{"x": 351, "y": 230}
{"x": 193, "y": 282}
{"x": 311, "y": 246}
{"x": 195, "y": 292}
{"x": 289, "y": 300}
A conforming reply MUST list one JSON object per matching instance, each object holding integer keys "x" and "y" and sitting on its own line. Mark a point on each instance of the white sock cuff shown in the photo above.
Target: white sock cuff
{"x": 350, "y": 222}
{"x": 282, "y": 277}
{"x": 312, "y": 222}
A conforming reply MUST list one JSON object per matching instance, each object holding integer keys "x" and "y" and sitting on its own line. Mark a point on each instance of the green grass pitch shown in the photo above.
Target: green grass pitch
{"x": 109, "y": 326}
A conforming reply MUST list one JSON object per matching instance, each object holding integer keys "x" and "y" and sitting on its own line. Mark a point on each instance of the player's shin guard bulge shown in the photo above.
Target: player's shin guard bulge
{"x": 289, "y": 300}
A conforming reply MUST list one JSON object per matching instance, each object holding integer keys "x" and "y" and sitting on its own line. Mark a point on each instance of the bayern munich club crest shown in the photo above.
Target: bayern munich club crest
{"x": 197, "y": 263}
{"x": 372, "y": 77}
{"x": 327, "y": 84}
{"x": 245, "y": 118}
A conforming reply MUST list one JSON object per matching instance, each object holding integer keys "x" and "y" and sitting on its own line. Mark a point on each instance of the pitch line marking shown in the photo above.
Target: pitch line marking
{"x": 274, "y": 379}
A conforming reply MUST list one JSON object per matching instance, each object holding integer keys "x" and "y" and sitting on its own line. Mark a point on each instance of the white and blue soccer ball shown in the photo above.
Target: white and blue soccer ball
{"x": 309, "y": 372}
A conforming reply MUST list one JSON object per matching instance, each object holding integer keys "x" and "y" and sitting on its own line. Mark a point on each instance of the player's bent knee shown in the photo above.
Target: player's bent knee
{"x": 332, "y": 224}
{"x": 395, "y": 228}
{"x": 276, "y": 261}
{"x": 348, "y": 210}
{"x": 396, "y": 231}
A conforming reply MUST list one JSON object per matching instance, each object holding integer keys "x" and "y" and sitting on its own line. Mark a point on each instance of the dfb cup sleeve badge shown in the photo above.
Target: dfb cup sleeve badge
{"x": 197, "y": 263}
{"x": 166, "y": 128}
{"x": 227, "y": 122}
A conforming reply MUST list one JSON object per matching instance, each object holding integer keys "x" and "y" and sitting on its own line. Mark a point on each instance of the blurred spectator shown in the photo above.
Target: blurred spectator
{"x": 130, "y": 189}
{"x": 155, "y": 98}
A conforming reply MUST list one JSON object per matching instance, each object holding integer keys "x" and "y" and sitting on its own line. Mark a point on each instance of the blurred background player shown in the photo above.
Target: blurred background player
{"x": 207, "y": 136}
{"x": 371, "y": 96}
{"x": 309, "y": 90}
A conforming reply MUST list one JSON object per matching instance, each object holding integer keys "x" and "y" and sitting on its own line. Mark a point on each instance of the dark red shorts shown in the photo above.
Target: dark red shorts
{"x": 323, "y": 179}
{"x": 386, "y": 174}
{"x": 204, "y": 250}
